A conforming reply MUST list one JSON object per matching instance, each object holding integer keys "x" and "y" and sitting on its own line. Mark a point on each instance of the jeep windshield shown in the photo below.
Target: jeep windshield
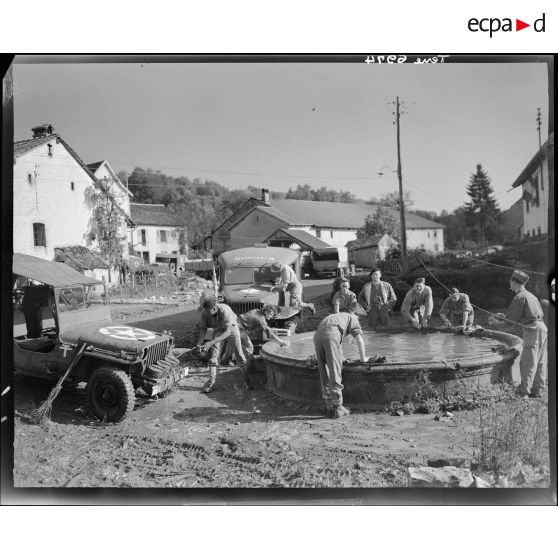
{"x": 239, "y": 276}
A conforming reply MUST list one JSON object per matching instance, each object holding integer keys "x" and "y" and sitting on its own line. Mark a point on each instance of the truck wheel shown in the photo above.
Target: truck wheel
{"x": 111, "y": 394}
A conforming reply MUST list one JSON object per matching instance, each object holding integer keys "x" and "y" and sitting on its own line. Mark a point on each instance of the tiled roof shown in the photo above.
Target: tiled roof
{"x": 336, "y": 215}
{"x": 535, "y": 161}
{"x": 94, "y": 166}
{"x": 154, "y": 214}
{"x": 23, "y": 146}
{"x": 304, "y": 238}
{"x": 364, "y": 243}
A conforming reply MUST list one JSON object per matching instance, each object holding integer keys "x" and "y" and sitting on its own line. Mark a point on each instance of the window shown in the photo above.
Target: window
{"x": 143, "y": 233}
{"x": 533, "y": 233}
{"x": 527, "y": 206}
{"x": 318, "y": 233}
{"x": 435, "y": 234}
{"x": 39, "y": 236}
{"x": 49, "y": 145}
{"x": 428, "y": 233}
{"x": 436, "y": 247}
{"x": 30, "y": 178}
{"x": 330, "y": 234}
{"x": 71, "y": 299}
{"x": 539, "y": 230}
{"x": 72, "y": 186}
{"x": 162, "y": 236}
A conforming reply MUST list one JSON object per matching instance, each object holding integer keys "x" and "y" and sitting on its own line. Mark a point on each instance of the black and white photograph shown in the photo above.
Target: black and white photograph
{"x": 281, "y": 272}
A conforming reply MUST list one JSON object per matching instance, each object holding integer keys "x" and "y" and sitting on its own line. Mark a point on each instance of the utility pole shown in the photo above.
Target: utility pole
{"x": 399, "y": 176}
{"x": 539, "y": 125}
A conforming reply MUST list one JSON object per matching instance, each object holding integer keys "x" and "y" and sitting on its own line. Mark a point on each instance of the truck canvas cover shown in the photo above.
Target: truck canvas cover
{"x": 55, "y": 274}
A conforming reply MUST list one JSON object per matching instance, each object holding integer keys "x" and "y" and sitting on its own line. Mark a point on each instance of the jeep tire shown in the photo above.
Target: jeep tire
{"x": 111, "y": 394}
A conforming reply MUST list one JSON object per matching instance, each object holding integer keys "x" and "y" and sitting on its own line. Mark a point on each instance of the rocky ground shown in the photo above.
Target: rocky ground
{"x": 237, "y": 438}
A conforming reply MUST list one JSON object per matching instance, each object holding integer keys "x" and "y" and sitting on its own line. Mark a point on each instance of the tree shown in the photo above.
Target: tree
{"x": 382, "y": 222}
{"x": 482, "y": 210}
{"x": 106, "y": 223}
{"x": 391, "y": 199}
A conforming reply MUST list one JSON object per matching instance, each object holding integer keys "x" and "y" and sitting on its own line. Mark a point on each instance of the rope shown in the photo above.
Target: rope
{"x": 473, "y": 305}
{"x": 498, "y": 265}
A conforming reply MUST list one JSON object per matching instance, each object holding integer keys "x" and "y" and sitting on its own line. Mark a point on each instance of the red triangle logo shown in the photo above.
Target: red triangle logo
{"x": 519, "y": 25}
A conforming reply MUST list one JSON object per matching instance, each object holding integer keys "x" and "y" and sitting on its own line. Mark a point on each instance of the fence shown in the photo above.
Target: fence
{"x": 144, "y": 285}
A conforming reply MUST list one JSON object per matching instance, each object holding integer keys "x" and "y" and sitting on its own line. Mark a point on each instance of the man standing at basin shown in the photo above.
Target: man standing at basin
{"x": 288, "y": 281}
{"x": 344, "y": 300}
{"x": 327, "y": 341}
{"x": 458, "y": 307}
{"x": 223, "y": 321}
{"x": 526, "y": 310}
{"x": 377, "y": 298}
{"x": 417, "y": 305}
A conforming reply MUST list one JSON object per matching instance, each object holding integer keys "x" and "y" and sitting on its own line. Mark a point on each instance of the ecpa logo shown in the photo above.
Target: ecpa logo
{"x": 494, "y": 24}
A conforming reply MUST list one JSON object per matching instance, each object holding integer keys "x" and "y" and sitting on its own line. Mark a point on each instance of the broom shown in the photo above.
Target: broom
{"x": 42, "y": 413}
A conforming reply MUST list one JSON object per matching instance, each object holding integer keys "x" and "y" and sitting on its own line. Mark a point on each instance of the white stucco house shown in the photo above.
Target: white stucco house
{"x": 104, "y": 172}
{"x": 155, "y": 237}
{"x": 537, "y": 189}
{"x": 333, "y": 223}
{"x": 50, "y": 204}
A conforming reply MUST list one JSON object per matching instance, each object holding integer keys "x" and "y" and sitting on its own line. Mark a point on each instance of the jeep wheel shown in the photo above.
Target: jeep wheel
{"x": 111, "y": 394}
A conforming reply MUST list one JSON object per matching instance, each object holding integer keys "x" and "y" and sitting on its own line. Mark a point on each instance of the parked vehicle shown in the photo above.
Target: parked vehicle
{"x": 246, "y": 280}
{"x": 325, "y": 262}
{"x": 117, "y": 359}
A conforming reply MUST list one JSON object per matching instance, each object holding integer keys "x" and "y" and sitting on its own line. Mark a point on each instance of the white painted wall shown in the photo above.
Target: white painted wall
{"x": 153, "y": 244}
{"x": 537, "y": 216}
{"x": 48, "y": 198}
{"x": 431, "y": 240}
{"x": 121, "y": 196}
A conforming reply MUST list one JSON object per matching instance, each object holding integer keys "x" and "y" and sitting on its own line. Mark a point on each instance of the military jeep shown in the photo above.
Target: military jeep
{"x": 117, "y": 358}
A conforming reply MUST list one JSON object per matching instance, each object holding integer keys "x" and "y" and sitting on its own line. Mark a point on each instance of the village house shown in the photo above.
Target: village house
{"x": 156, "y": 238}
{"x": 333, "y": 223}
{"x": 537, "y": 189}
{"x": 105, "y": 173}
{"x": 51, "y": 208}
{"x": 364, "y": 253}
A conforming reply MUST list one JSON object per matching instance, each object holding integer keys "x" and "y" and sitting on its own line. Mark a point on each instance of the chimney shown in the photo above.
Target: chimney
{"x": 265, "y": 196}
{"x": 42, "y": 130}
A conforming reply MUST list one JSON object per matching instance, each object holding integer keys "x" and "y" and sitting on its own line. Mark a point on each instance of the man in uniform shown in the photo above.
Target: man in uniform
{"x": 288, "y": 281}
{"x": 256, "y": 320}
{"x": 417, "y": 305}
{"x": 223, "y": 321}
{"x": 327, "y": 341}
{"x": 344, "y": 300}
{"x": 377, "y": 298}
{"x": 458, "y": 307}
{"x": 35, "y": 296}
{"x": 526, "y": 310}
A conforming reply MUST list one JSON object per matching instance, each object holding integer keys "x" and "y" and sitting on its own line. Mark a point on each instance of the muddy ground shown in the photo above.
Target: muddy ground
{"x": 228, "y": 438}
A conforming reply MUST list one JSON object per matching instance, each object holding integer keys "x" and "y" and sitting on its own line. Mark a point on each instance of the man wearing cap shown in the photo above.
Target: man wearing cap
{"x": 327, "y": 341}
{"x": 526, "y": 310}
{"x": 377, "y": 298}
{"x": 256, "y": 320}
{"x": 417, "y": 305}
{"x": 458, "y": 307}
{"x": 223, "y": 321}
{"x": 344, "y": 300}
{"x": 288, "y": 281}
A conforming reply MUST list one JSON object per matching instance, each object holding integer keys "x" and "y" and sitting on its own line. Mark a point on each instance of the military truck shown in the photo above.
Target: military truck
{"x": 117, "y": 358}
{"x": 246, "y": 281}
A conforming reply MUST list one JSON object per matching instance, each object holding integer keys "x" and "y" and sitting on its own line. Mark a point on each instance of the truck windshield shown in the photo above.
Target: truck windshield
{"x": 239, "y": 276}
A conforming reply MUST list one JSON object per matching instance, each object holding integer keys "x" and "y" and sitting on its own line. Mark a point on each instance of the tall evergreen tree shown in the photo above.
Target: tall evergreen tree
{"x": 482, "y": 209}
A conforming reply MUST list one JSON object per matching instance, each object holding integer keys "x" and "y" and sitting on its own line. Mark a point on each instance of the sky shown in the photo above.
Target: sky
{"x": 276, "y": 125}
